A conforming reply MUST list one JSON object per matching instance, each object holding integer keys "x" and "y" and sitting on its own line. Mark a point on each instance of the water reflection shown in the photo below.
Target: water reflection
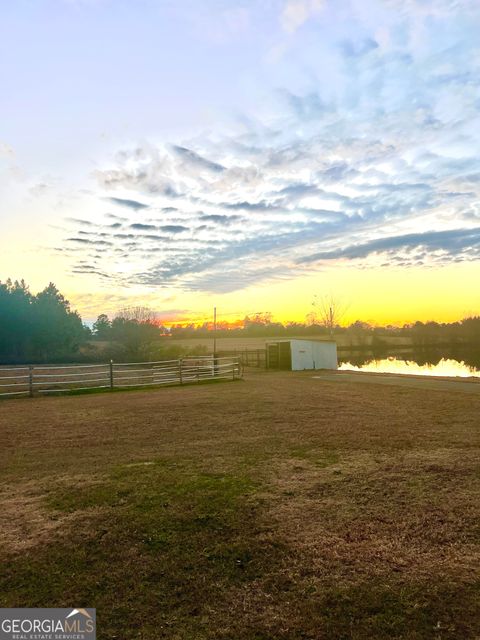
{"x": 444, "y": 367}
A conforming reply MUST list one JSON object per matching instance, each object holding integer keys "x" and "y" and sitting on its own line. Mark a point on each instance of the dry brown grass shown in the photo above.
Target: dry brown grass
{"x": 279, "y": 507}
{"x": 238, "y": 342}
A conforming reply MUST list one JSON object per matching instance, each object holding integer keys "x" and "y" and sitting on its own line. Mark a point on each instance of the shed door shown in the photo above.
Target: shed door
{"x": 285, "y": 356}
{"x": 273, "y": 356}
{"x": 279, "y": 356}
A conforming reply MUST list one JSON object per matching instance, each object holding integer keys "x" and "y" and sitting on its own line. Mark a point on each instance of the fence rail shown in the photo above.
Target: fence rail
{"x": 248, "y": 357}
{"x": 38, "y": 380}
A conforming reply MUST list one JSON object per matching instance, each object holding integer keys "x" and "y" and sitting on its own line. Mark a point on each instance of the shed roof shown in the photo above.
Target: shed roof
{"x": 300, "y": 339}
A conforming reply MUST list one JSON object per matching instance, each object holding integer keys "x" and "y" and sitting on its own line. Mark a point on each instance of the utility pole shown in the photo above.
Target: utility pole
{"x": 214, "y": 331}
{"x": 215, "y": 360}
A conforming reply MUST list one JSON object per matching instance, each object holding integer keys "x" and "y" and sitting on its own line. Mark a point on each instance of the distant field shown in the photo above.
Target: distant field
{"x": 230, "y": 344}
{"x": 239, "y": 343}
{"x": 280, "y": 507}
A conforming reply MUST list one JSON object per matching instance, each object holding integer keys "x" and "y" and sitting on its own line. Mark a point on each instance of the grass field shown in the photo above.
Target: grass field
{"x": 239, "y": 343}
{"x": 279, "y": 507}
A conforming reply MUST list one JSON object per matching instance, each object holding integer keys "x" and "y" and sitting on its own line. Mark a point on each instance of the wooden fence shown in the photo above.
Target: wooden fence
{"x": 39, "y": 380}
{"x": 248, "y": 357}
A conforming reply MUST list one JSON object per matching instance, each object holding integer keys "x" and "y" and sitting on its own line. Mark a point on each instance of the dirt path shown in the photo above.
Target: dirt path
{"x": 463, "y": 385}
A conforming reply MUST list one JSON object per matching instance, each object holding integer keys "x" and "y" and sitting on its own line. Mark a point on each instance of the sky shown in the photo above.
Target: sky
{"x": 249, "y": 155}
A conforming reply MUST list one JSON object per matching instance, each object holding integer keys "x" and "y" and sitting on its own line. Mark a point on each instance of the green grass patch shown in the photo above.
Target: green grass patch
{"x": 163, "y": 543}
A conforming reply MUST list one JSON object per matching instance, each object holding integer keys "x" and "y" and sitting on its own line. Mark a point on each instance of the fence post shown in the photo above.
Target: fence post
{"x": 111, "y": 374}
{"x": 180, "y": 371}
{"x": 30, "y": 381}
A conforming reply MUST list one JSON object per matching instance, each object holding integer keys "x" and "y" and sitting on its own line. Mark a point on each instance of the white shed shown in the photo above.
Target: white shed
{"x": 298, "y": 354}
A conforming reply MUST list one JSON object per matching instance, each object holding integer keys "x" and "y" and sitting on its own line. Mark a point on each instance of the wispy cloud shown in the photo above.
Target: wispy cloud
{"x": 142, "y": 227}
{"x": 130, "y": 204}
{"x": 453, "y": 243}
{"x": 197, "y": 161}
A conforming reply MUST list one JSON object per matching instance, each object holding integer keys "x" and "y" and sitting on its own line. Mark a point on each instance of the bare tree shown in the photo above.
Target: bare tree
{"x": 328, "y": 311}
{"x": 311, "y": 318}
{"x": 142, "y": 315}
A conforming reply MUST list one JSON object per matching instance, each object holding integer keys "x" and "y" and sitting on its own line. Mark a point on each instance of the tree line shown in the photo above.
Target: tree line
{"x": 42, "y": 327}
{"x": 37, "y": 328}
{"x": 466, "y": 331}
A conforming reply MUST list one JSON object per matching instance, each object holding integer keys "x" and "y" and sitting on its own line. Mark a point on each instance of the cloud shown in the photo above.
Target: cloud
{"x": 130, "y": 204}
{"x": 80, "y": 221}
{"x": 142, "y": 227}
{"x": 358, "y": 48}
{"x": 455, "y": 242}
{"x": 142, "y": 169}
{"x": 91, "y": 270}
{"x": 110, "y": 303}
{"x": 100, "y": 243}
{"x": 305, "y": 107}
{"x": 296, "y": 12}
{"x": 115, "y": 217}
{"x": 370, "y": 158}
{"x": 221, "y": 219}
{"x": 235, "y": 277}
{"x": 263, "y": 205}
{"x": 196, "y": 160}
{"x": 6, "y": 150}
{"x": 154, "y": 236}
{"x": 173, "y": 228}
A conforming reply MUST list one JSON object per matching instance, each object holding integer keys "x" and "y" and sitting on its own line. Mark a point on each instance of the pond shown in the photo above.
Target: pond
{"x": 393, "y": 364}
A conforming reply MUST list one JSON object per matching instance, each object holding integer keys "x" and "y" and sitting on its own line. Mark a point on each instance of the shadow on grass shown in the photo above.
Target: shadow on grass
{"x": 95, "y": 391}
